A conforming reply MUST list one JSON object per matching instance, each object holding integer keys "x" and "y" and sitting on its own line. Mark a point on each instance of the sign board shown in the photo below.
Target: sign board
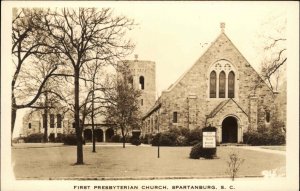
{"x": 209, "y": 139}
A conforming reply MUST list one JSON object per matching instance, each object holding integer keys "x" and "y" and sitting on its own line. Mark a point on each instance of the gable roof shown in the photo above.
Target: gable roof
{"x": 216, "y": 110}
{"x": 222, "y": 34}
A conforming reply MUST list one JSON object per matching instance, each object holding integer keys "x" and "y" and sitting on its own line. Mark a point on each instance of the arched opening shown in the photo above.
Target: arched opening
{"x": 108, "y": 134}
{"x": 87, "y": 133}
{"x": 213, "y": 85}
{"x": 222, "y": 84}
{"x": 231, "y": 79}
{"x": 142, "y": 82}
{"x": 98, "y": 133}
{"x": 229, "y": 130}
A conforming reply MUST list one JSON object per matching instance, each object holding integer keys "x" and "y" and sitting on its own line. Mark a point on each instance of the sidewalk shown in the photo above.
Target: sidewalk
{"x": 260, "y": 149}
{"x": 89, "y": 144}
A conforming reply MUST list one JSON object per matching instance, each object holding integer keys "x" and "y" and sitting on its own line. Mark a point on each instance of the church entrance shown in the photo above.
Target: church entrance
{"x": 229, "y": 130}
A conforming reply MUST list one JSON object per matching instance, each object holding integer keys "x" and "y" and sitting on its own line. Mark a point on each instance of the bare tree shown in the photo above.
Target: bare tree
{"x": 124, "y": 108}
{"x": 274, "y": 56}
{"x": 234, "y": 163}
{"x": 28, "y": 48}
{"x": 81, "y": 36}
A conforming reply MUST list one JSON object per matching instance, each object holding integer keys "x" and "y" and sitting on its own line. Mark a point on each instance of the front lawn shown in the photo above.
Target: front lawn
{"x": 134, "y": 162}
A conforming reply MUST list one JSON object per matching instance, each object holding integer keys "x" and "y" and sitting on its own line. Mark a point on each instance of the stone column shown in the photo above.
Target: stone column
{"x": 192, "y": 104}
{"x": 104, "y": 136}
{"x": 253, "y": 111}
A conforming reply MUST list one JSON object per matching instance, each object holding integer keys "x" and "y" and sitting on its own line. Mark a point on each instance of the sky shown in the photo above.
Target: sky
{"x": 173, "y": 34}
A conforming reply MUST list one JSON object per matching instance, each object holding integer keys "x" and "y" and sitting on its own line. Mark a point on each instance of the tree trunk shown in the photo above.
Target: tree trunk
{"x": 77, "y": 118}
{"x": 45, "y": 120}
{"x": 93, "y": 128}
{"x": 124, "y": 137}
{"x": 13, "y": 120}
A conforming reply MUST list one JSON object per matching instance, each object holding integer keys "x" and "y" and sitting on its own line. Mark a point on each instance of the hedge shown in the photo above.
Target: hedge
{"x": 34, "y": 138}
{"x": 256, "y": 138}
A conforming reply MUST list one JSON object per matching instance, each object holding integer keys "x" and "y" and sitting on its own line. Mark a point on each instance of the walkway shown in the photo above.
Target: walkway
{"x": 261, "y": 149}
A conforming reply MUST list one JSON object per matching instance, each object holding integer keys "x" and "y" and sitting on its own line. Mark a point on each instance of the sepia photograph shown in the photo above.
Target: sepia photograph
{"x": 160, "y": 95}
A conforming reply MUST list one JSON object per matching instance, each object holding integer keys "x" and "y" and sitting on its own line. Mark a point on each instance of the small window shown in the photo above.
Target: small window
{"x": 52, "y": 121}
{"x": 29, "y": 125}
{"x": 73, "y": 125}
{"x": 268, "y": 116}
{"x": 175, "y": 117}
{"x": 58, "y": 116}
{"x": 142, "y": 102}
{"x": 142, "y": 82}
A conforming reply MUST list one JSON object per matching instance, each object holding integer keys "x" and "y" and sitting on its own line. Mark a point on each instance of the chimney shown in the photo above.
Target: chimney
{"x": 222, "y": 26}
{"x": 136, "y": 57}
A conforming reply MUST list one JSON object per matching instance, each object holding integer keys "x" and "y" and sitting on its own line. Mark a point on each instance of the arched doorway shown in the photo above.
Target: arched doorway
{"x": 108, "y": 134}
{"x": 229, "y": 130}
{"x": 98, "y": 135}
{"x": 87, "y": 135}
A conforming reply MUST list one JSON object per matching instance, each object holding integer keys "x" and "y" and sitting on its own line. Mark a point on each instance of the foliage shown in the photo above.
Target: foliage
{"x": 198, "y": 151}
{"x": 69, "y": 139}
{"x": 115, "y": 138}
{"x": 272, "y": 135}
{"x": 146, "y": 139}
{"x": 234, "y": 163}
{"x": 194, "y": 136}
{"x": 34, "y": 138}
{"x": 135, "y": 139}
{"x": 182, "y": 141}
{"x": 165, "y": 139}
{"x": 178, "y": 137}
{"x": 59, "y": 138}
{"x": 52, "y": 137}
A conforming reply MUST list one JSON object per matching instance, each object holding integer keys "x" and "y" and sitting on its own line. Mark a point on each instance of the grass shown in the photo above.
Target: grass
{"x": 133, "y": 162}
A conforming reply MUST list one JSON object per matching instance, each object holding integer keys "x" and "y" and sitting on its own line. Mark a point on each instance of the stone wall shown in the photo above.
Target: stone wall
{"x": 189, "y": 96}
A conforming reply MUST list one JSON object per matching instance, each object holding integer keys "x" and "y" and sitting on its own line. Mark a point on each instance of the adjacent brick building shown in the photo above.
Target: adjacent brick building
{"x": 221, "y": 89}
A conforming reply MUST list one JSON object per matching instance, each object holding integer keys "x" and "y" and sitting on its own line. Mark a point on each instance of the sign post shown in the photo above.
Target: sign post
{"x": 209, "y": 141}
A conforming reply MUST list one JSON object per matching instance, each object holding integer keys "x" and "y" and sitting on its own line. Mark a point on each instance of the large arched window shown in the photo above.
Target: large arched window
{"x": 142, "y": 82}
{"x": 231, "y": 79}
{"x": 213, "y": 85}
{"x": 222, "y": 84}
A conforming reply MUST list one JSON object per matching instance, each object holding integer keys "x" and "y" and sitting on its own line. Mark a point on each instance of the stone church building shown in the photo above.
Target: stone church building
{"x": 58, "y": 123}
{"x": 221, "y": 89}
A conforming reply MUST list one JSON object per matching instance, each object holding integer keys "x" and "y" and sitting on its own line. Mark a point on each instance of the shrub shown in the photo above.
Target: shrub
{"x": 135, "y": 141}
{"x": 194, "y": 136}
{"x": 198, "y": 151}
{"x": 59, "y": 138}
{"x": 51, "y": 137}
{"x": 146, "y": 139}
{"x": 182, "y": 141}
{"x": 34, "y": 138}
{"x": 115, "y": 138}
{"x": 194, "y": 142}
{"x": 69, "y": 139}
{"x": 164, "y": 139}
{"x": 268, "y": 137}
